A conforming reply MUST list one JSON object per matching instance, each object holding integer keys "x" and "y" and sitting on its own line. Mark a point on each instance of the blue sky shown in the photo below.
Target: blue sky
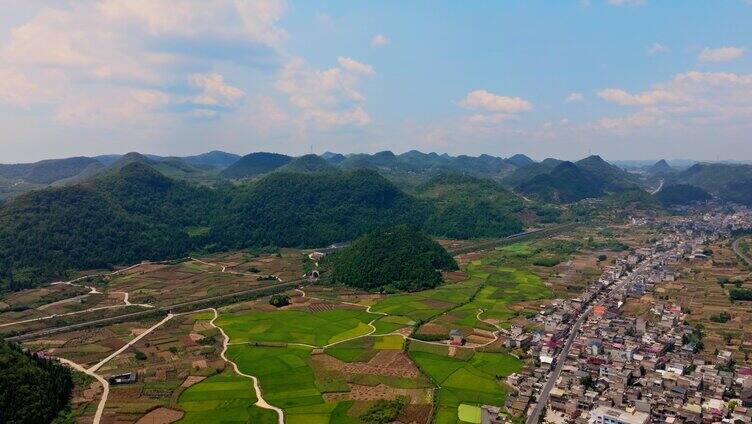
{"x": 626, "y": 79}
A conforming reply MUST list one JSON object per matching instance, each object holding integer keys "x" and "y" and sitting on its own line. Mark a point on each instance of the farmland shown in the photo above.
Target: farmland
{"x": 326, "y": 357}
{"x": 465, "y": 377}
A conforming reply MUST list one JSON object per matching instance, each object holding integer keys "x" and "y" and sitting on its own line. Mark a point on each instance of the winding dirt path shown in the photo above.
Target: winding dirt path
{"x": 261, "y": 402}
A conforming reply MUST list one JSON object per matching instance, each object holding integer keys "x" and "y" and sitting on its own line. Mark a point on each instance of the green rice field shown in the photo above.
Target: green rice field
{"x": 296, "y": 326}
{"x": 226, "y": 398}
{"x": 471, "y": 378}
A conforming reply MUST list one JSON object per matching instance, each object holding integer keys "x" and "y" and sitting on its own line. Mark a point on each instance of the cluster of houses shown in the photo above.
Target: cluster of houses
{"x": 632, "y": 368}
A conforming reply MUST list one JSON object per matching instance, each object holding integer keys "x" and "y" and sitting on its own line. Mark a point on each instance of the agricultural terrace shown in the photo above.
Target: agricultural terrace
{"x": 465, "y": 378}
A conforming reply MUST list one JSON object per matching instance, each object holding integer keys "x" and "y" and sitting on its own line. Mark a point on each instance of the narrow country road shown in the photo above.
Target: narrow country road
{"x": 131, "y": 343}
{"x": 543, "y": 398}
{"x": 105, "y": 387}
{"x": 261, "y": 402}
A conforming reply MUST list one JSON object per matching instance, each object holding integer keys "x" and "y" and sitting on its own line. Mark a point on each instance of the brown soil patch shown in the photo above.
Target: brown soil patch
{"x": 431, "y": 328}
{"x": 161, "y": 416}
{"x": 438, "y": 304}
{"x": 414, "y": 414}
{"x": 369, "y": 393}
{"x": 393, "y": 363}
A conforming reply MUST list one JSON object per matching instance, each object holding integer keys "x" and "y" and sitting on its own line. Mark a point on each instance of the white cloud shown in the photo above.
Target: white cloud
{"x": 355, "y": 67}
{"x": 485, "y": 100}
{"x": 657, "y": 48}
{"x": 214, "y": 91}
{"x": 721, "y": 54}
{"x": 574, "y": 97}
{"x": 121, "y": 49}
{"x": 688, "y": 100}
{"x": 326, "y": 98}
{"x": 380, "y": 40}
{"x": 17, "y": 90}
{"x": 490, "y": 119}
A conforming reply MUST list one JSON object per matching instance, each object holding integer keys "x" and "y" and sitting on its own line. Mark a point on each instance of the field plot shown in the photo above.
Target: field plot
{"x": 87, "y": 347}
{"x": 181, "y": 352}
{"x": 300, "y": 325}
{"x": 286, "y": 264}
{"x": 336, "y": 385}
{"x": 226, "y": 398}
{"x": 166, "y": 284}
{"x": 468, "y": 377}
{"x": 703, "y": 290}
{"x": 51, "y": 299}
{"x": 503, "y": 284}
{"x": 425, "y": 304}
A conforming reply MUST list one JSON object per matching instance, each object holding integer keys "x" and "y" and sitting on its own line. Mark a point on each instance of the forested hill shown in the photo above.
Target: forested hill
{"x": 297, "y": 209}
{"x": 32, "y": 389}
{"x": 398, "y": 258}
{"x": 133, "y": 212}
{"x": 468, "y": 207}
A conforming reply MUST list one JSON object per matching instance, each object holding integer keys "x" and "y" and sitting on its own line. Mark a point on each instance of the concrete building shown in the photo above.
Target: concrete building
{"x": 608, "y": 415}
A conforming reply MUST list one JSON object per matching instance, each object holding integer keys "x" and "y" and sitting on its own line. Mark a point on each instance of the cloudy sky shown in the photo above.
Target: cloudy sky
{"x": 627, "y": 79}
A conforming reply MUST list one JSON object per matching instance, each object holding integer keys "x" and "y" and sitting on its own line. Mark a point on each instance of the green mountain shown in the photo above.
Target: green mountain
{"x": 681, "y": 194}
{"x": 398, "y": 258}
{"x": 296, "y": 209}
{"x": 468, "y": 207}
{"x": 47, "y": 171}
{"x": 415, "y": 162}
{"x": 566, "y": 183}
{"x": 214, "y": 159}
{"x": 614, "y": 178}
{"x": 526, "y": 173}
{"x": 130, "y": 214}
{"x": 255, "y": 164}
{"x": 737, "y": 192}
{"x": 333, "y": 158}
{"x": 712, "y": 177}
{"x": 660, "y": 167}
{"x": 307, "y": 164}
{"x": 520, "y": 161}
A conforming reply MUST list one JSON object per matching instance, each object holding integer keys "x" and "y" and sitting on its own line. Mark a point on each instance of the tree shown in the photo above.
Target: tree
{"x": 279, "y": 300}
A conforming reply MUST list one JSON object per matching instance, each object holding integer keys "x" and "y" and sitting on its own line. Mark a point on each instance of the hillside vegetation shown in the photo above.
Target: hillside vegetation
{"x": 398, "y": 258}
{"x": 681, "y": 194}
{"x": 32, "y": 389}
{"x": 469, "y": 207}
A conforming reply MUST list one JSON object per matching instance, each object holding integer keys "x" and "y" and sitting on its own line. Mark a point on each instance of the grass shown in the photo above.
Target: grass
{"x": 469, "y": 413}
{"x": 296, "y": 326}
{"x": 425, "y": 304}
{"x": 473, "y": 380}
{"x": 226, "y": 398}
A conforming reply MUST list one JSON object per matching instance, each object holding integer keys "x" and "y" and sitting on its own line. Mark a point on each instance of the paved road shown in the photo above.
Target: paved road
{"x": 739, "y": 252}
{"x": 543, "y": 398}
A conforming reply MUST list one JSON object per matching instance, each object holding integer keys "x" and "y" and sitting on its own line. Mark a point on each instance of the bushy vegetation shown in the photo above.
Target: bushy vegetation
{"x": 566, "y": 183}
{"x": 383, "y": 411}
{"x": 279, "y": 300}
{"x": 399, "y": 258}
{"x": 255, "y": 164}
{"x": 32, "y": 389}
{"x": 721, "y": 317}
{"x": 740, "y": 293}
{"x": 681, "y": 194}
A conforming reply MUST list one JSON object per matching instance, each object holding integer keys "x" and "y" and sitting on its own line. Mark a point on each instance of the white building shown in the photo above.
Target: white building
{"x": 606, "y": 415}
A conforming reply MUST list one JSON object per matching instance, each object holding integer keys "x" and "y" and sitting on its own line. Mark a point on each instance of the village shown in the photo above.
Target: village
{"x": 596, "y": 363}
